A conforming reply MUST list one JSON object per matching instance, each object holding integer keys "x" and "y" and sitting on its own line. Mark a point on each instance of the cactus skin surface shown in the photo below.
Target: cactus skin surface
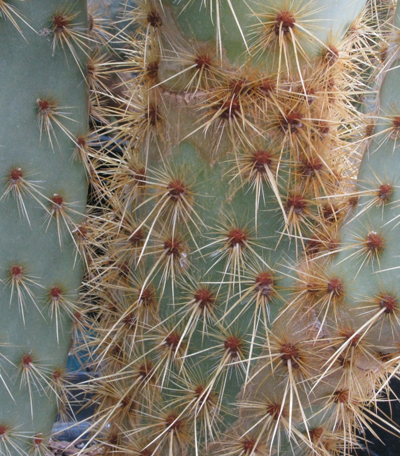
{"x": 220, "y": 290}
{"x": 370, "y": 246}
{"x": 43, "y": 193}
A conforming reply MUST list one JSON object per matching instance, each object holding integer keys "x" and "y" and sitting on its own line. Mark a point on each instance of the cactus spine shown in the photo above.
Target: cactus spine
{"x": 43, "y": 126}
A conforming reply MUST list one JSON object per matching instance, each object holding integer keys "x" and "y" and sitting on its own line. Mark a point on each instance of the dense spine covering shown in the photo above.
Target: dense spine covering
{"x": 238, "y": 135}
{"x": 44, "y": 109}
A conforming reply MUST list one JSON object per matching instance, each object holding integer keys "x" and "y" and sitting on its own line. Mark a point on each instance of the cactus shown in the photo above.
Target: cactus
{"x": 221, "y": 286}
{"x": 43, "y": 195}
{"x": 232, "y": 315}
{"x": 369, "y": 244}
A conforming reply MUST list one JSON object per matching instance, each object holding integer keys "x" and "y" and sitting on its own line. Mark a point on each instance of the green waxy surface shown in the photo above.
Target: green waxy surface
{"x": 377, "y": 276}
{"x": 29, "y": 71}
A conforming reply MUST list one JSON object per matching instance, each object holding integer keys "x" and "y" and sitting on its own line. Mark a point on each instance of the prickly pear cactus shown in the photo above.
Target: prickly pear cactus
{"x": 237, "y": 146}
{"x": 43, "y": 130}
{"x": 368, "y": 332}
